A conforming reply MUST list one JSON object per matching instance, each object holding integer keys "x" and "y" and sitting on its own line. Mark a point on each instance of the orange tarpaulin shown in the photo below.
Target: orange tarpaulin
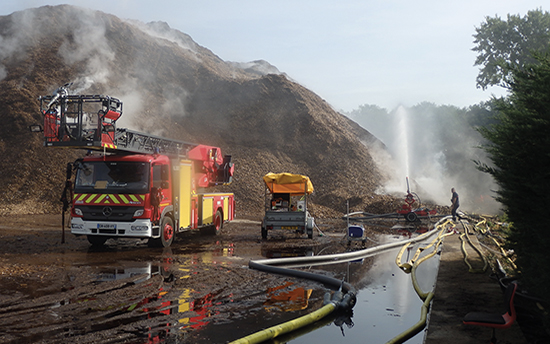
{"x": 294, "y": 184}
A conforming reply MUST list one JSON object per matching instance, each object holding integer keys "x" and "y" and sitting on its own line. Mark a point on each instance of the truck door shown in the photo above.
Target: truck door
{"x": 161, "y": 181}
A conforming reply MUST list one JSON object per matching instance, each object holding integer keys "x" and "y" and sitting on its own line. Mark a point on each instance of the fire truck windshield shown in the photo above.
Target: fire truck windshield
{"x": 112, "y": 177}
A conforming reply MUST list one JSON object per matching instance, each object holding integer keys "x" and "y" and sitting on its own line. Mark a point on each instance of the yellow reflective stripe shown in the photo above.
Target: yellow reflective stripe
{"x": 79, "y": 197}
{"x": 115, "y": 200}
{"x": 100, "y": 198}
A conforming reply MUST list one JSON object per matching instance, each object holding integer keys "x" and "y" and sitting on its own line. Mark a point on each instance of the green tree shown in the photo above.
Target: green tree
{"x": 481, "y": 115}
{"x": 512, "y": 41}
{"x": 519, "y": 150}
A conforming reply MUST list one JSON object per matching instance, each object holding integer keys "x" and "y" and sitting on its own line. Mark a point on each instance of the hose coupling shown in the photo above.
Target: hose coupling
{"x": 326, "y": 298}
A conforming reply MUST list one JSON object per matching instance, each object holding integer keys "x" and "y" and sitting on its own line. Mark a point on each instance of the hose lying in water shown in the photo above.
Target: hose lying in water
{"x": 419, "y": 326}
{"x": 339, "y": 257}
{"x": 413, "y": 264}
{"x": 337, "y": 302}
{"x": 344, "y": 298}
{"x": 363, "y": 216}
{"x": 411, "y": 267}
{"x": 435, "y": 242}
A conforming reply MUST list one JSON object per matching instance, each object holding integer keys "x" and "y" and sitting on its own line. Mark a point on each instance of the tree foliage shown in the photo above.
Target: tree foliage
{"x": 512, "y": 41}
{"x": 519, "y": 150}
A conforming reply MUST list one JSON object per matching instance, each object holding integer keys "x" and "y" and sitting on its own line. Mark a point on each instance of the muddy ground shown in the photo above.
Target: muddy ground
{"x": 198, "y": 290}
{"x": 127, "y": 292}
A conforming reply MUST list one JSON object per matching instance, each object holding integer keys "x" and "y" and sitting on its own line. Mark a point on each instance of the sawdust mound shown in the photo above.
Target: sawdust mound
{"x": 172, "y": 86}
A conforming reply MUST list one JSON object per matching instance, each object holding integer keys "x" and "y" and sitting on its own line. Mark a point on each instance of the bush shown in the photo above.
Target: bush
{"x": 519, "y": 148}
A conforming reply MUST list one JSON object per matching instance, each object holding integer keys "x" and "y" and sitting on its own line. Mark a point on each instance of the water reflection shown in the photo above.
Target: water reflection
{"x": 287, "y": 297}
{"x": 173, "y": 309}
{"x": 387, "y": 303}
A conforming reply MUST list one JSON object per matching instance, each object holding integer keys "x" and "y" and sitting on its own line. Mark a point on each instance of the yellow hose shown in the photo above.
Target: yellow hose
{"x": 504, "y": 254}
{"x": 403, "y": 336}
{"x": 463, "y": 247}
{"x": 289, "y": 326}
{"x": 411, "y": 267}
{"x": 403, "y": 266}
{"x": 407, "y": 267}
{"x": 499, "y": 245}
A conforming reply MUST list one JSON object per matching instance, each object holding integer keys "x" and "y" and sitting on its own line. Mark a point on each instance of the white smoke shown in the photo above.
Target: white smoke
{"x": 88, "y": 45}
{"x": 176, "y": 97}
{"x": 132, "y": 100}
{"x": 257, "y": 67}
{"x": 163, "y": 31}
{"x": 13, "y": 45}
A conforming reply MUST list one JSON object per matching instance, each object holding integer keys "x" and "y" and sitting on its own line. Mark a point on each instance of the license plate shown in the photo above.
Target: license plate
{"x": 289, "y": 227}
{"x": 106, "y": 226}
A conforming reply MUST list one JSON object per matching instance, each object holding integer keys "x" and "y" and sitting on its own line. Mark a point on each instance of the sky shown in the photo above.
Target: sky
{"x": 349, "y": 52}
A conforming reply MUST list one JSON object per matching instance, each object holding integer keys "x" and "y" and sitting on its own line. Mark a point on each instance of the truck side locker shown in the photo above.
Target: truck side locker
{"x": 226, "y": 208}
{"x": 185, "y": 190}
{"x": 207, "y": 210}
{"x": 175, "y": 184}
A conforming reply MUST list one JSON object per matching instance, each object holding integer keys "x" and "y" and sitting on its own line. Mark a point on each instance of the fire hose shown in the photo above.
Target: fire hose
{"x": 344, "y": 298}
{"x": 411, "y": 267}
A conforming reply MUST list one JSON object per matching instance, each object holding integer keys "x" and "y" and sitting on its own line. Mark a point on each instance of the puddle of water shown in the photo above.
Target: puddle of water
{"x": 387, "y": 303}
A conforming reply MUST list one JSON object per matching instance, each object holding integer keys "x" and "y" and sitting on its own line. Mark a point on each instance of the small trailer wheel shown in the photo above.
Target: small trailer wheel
{"x": 264, "y": 233}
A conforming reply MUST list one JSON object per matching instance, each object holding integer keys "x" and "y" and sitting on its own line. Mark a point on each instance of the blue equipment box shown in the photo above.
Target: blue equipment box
{"x": 355, "y": 231}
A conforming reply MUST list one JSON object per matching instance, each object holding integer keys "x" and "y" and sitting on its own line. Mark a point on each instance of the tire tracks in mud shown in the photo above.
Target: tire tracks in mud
{"x": 76, "y": 311}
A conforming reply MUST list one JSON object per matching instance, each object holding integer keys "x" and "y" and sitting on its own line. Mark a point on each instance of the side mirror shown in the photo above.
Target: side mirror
{"x": 36, "y": 128}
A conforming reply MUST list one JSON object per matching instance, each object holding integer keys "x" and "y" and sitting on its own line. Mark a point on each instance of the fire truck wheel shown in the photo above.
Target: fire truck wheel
{"x": 218, "y": 222}
{"x": 411, "y": 217}
{"x": 97, "y": 240}
{"x": 167, "y": 231}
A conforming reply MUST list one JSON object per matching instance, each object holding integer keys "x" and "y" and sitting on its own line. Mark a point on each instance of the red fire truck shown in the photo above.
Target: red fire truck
{"x": 131, "y": 184}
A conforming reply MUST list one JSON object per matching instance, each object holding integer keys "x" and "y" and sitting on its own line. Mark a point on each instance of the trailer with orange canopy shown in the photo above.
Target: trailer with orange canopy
{"x": 286, "y": 198}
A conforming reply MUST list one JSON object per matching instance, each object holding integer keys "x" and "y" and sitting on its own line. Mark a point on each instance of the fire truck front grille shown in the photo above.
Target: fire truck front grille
{"x": 106, "y": 213}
